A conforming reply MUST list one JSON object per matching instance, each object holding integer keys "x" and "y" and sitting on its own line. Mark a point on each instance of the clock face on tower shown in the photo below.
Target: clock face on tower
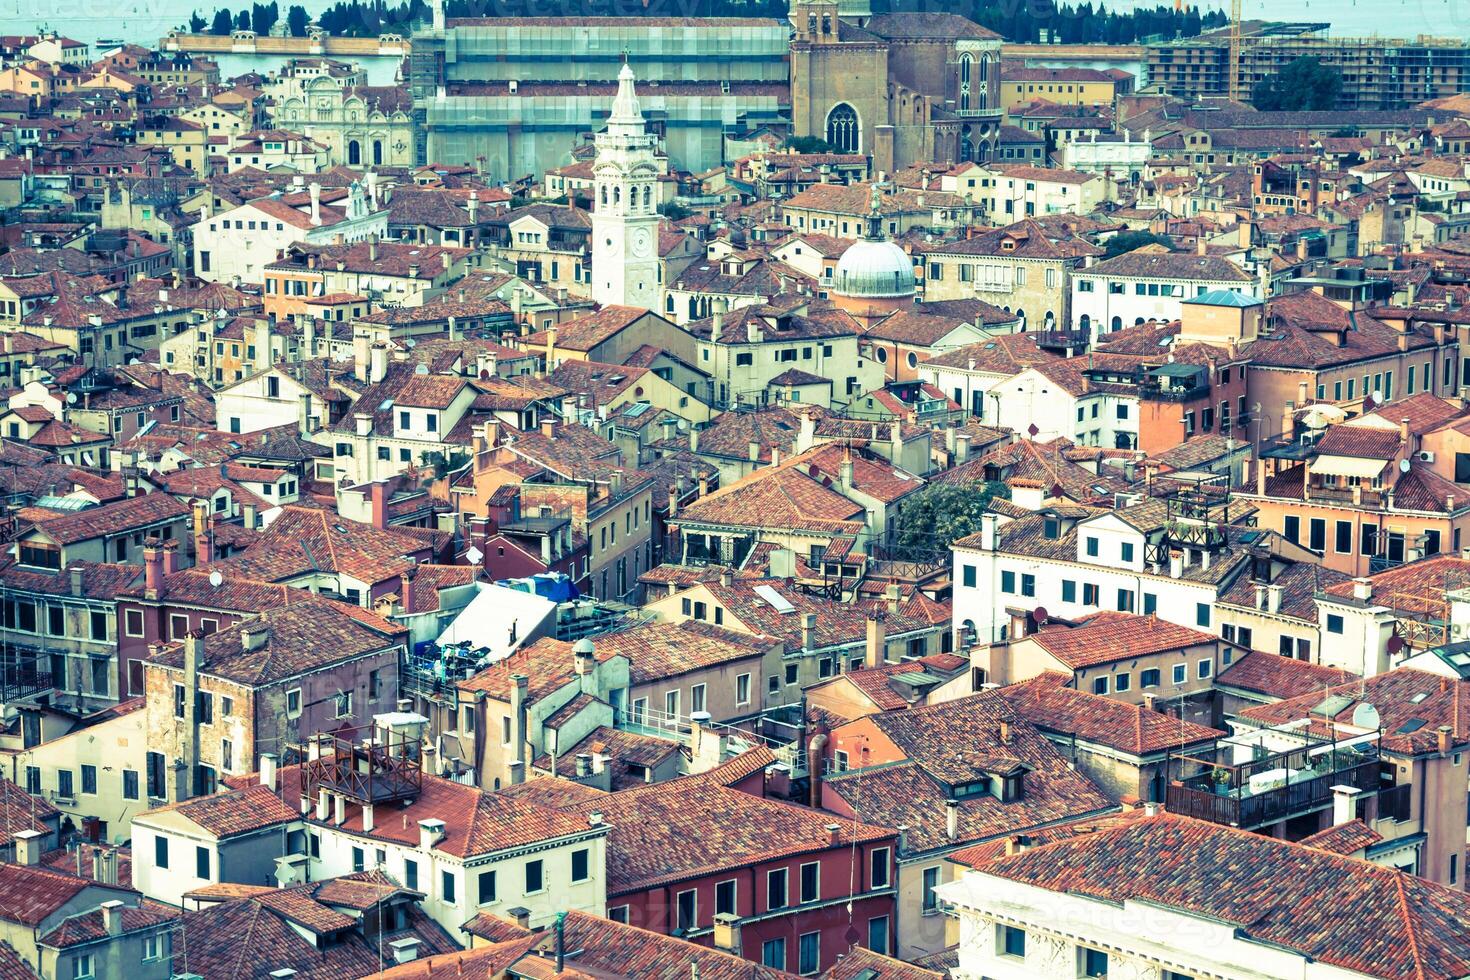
{"x": 642, "y": 243}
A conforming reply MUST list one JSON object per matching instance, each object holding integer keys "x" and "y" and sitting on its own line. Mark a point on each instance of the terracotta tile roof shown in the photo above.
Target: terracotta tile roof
{"x": 587, "y": 332}
{"x": 547, "y": 662}
{"x": 240, "y": 811}
{"x": 1281, "y": 678}
{"x": 1405, "y": 698}
{"x": 860, "y": 963}
{"x": 476, "y": 822}
{"x": 1342, "y": 912}
{"x": 1006, "y": 355}
{"x": 88, "y": 927}
{"x": 493, "y": 929}
{"x": 1027, "y": 239}
{"x": 785, "y": 497}
{"x": 693, "y": 826}
{"x": 1116, "y": 638}
{"x": 308, "y": 540}
{"x": 133, "y": 513}
{"x": 225, "y": 890}
{"x": 659, "y": 651}
{"x": 300, "y": 638}
{"x": 1049, "y": 704}
{"x": 1423, "y": 489}
{"x": 958, "y": 742}
{"x": 980, "y": 855}
{"x": 837, "y": 623}
{"x": 20, "y": 811}
{"x": 1046, "y": 464}
{"x": 1299, "y": 582}
{"x": 877, "y": 682}
{"x": 99, "y": 580}
{"x": 623, "y": 749}
{"x": 918, "y": 328}
{"x": 1424, "y": 411}
{"x": 1143, "y": 263}
{"x": 66, "y": 861}
{"x": 13, "y": 966}
{"x": 603, "y": 950}
{"x": 28, "y": 895}
{"x": 1416, "y": 588}
{"x": 1299, "y": 329}
{"x": 254, "y": 936}
{"x": 1369, "y": 442}
{"x": 1345, "y": 838}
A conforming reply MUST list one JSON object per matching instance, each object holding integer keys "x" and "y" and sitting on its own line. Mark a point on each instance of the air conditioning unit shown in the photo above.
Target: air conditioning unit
{"x": 1426, "y": 456}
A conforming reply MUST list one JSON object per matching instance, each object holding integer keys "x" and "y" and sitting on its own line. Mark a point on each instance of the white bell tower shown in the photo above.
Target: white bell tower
{"x": 624, "y": 213}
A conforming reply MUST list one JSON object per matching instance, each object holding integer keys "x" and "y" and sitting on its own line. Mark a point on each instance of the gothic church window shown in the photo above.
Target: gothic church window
{"x": 842, "y": 129}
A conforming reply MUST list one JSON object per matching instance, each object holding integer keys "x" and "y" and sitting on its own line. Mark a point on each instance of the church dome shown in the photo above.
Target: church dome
{"x": 874, "y": 269}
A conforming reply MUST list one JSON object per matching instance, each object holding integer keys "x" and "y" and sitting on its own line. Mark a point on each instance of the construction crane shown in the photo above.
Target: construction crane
{"x": 1233, "y": 84}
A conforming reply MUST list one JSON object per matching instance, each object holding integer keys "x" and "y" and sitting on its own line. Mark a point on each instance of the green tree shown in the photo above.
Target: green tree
{"x": 672, "y": 211}
{"x": 242, "y": 22}
{"x": 223, "y": 24}
{"x": 940, "y": 514}
{"x": 808, "y": 144}
{"x": 1127, "y": 241}
{"x": 197, "y": 24}
{"x": 296, "y": 21}
{"x": 1304, "y": 85}
{"x": 263, "y": 17}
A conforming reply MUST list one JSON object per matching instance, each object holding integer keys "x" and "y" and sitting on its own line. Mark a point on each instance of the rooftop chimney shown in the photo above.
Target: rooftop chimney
{"x": 112, "y": 917}
{"x": 876, "y": 651}
{"x": 28, "y": 845}
{"x": 952, "y": 819}
{"x": 268, "y": 770}
{"x": 431, "y": 832}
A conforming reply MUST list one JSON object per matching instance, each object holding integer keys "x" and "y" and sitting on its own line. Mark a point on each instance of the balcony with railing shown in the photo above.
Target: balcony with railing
{"x": 369, "y": 766}
{"x": 1272, "y": 786}
{"x": 1075, "y": 341}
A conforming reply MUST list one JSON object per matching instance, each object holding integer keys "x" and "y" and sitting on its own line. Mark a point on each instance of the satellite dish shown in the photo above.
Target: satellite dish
{"x": 1366, "y": 716}
{"x": 216, "y": 579}
{"x": 410, "y": 343}
{"x": 134, "y": 361}
{"x": 71, "y": 398}
{"x": 1404, "y": 466}
{"x": 474, "y": 556}
{"x": 421, "y": 369}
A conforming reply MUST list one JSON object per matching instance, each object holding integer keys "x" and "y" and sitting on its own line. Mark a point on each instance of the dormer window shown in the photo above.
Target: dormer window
{"x": 1053, "y": 529}
{"x": 1012, "y": 787}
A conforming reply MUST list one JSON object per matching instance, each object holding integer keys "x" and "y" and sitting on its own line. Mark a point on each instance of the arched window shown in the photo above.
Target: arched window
{"x": 1138, "y": 321}
{"x": 669, "y": 304}
{"x": 1085, "y": 323}
{"x": 693, "y": 308}
{"x": 842, "y": 129}
{"x": 377, "y": 153}
{"x": 966, "y": 62}
{"x": 617, "y": 195}
{"x": 354, "y": 153}
{"x": 604, "y": 194}
{"x": 647, "y": 197}
{"x": 1117, "y": 323}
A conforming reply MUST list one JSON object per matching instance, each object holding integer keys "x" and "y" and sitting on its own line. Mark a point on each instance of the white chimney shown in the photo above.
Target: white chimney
{"x": 268, "y": 770}
{"x": 112, "y": 917}
{"x": 952, "y": 819}
{"x": 431, "y": 832}
{"x": 316, "y": 202}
